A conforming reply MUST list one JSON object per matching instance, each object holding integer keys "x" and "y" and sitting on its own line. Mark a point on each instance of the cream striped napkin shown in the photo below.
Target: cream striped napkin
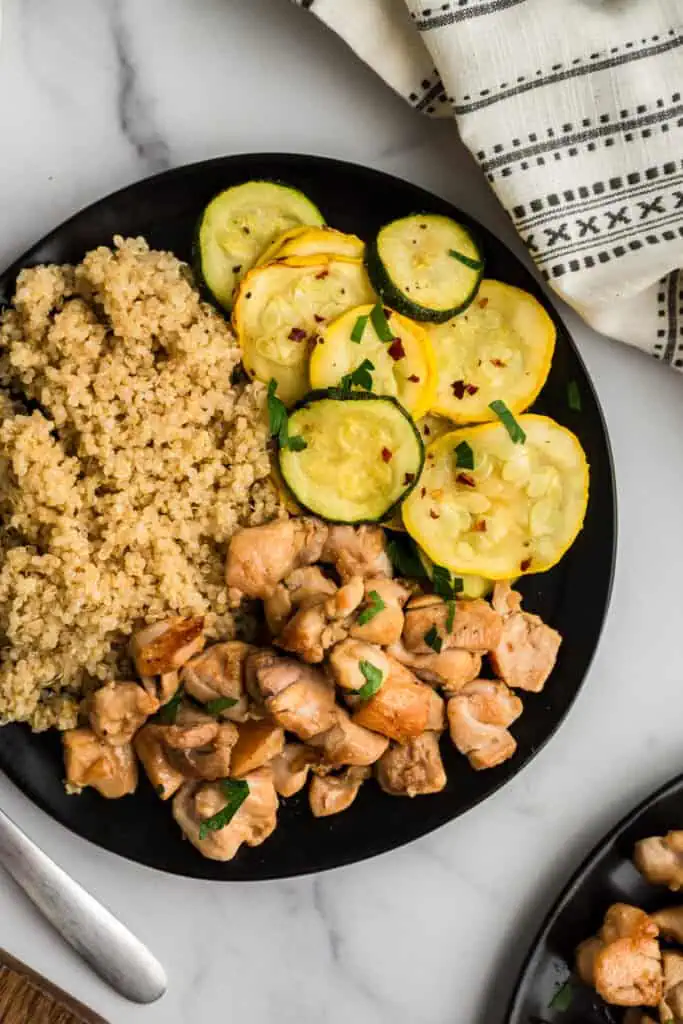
{"x": 573, "y": 110}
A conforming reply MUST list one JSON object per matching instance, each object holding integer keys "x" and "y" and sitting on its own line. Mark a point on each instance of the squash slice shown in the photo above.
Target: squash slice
{"x": 501, "y": 345}
{"x": 516, "y": 512}
{"x": 281, "y": 309}
{"x": 403, "y": 367}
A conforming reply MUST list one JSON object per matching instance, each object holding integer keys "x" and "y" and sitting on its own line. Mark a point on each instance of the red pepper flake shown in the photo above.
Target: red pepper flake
{"x": 423, "y": 492}
{"x": 498, "y": 362}
{"x": 458, "y": 387}
{"x": 297, "y": 334}
{"x": 387, "y": 456}
{"x": 315, "y": 339}
{"x": 236, "y": 269}
{"x": 526, "y": 564}
{"x": 318, "y": 319}
{"x": 483, "y": 303}
{"x": 433, "y": 514}
{"x": 387, "y": 313}
{"x": 426, "y": 430}
{"x": 414, "y": 379}
{"x": 480, "y": 526}
{"x": 396, "y": 350}
{"x": 471, "y": 389}
{"x": 467, "y": 479}
{"x": 408, "y": 479}
{"x": 322, "y": 274}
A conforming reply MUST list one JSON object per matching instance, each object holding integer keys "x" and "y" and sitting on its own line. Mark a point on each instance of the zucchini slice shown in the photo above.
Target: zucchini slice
{"x": 363, "y": 455}
{"x": 516, "y": 512}
{"x": 502, "y": 345}
{"x": 238, "y": 224}
{"x": 282, "y": 307}
{"x": 426, "y": 266}
{"x": 403, "y": 367}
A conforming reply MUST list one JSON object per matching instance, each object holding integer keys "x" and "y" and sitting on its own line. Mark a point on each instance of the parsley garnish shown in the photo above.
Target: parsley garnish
{"x": 358, "y": 328}
{"x": 374, "y": 678}
{"x": 450, "y": 618}
{"x": 214, "y": 707}
{"x": 444, "y": 584}
{"x": 236, "y": 792}
{"x": 296, "y": 443}
{"x": 562, "y": 999}
{"x": 169, "y": 711}
{"x": 279, "y": 421}
{"x": 464, "y": 456}
{"x": 573, "y": 396}
{"x": 361, "y": 377}
{"x": 467, "y": 261}
{"x": 517, "y": 435}
{"x": 404, "y": 557}
{"x": 433, "y": 640}
{"x": 375, "y": 606}
{"x": 379, "y": 321}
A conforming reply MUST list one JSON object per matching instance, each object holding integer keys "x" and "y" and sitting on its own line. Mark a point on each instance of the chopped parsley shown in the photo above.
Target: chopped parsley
{"x": 214, "y": 707}
{"x": 573, "y": 396}
{"x": 466, "y": 261}
{"x": 464, "y": 456}
{"x": 444, "y": 584}
{"x": 360, "y": 377}
{"x": 358, "y": 328}
{"x": 562, "y": 999}
{"x": 404, "y": 556}
{"x": 296, "y": 443}
{"x": 373, "y": 680}
{"x": 169, "y": 711}
{"x": 278, "y": 421}
{"x": 433, "y": 640}
{"x": 375, "y": 606}
{"x": 379, "y": 321}
{"x": 517, "y": 435}
{"x": 236, "y": 792}
{"x": 450, "y": 618}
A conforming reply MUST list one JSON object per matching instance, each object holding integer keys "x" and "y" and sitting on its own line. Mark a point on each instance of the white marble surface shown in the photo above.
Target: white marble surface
{"x": 98, "y": 93}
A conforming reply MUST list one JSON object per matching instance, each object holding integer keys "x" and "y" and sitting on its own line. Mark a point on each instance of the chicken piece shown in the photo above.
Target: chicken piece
{"x": 527, "y": 651}
{"x": 671, "y": 1006}
{"x": 346, "y": 600}
{"x": 305, "y": 707}
{"x": 385, "y": 627}
{"x": 332, "y": 794}
{"x": 150, "y": 748}
{"x": 259, "y": 557}
{"x": 412, "y": 768}
{"x": 166, "y": 646}
{"x": 660, "y": 859}
{"x": 309, "y": 634}
{"x": 267, "y": 674}
{"x": 258, "y": 742}
{"x": 451, "y": 669}
{"x": 479, "y": 716}
{"x": 357, "y": 551}
{"x": 117, "y": 710}
{"x": 161, "y": 688}
{"x": 219, "y": 672}
{"x": 476, "y": 626}
{"x": 436, "y": 718}
{"x": 199, "y": 746}
{"x": 628, "y": 968}
{"x": 90, "y": 761}
{"x": 300, "y": 589}
{"x": 401, "y": 708}
{"x": 345, "y": 659}
{"x": 347, "y": 743}
{"x": 254, "y": 821}
{"x": 670, "y": 923}
{"x": 586, "y": 953}
{"x": 291, "y": 768}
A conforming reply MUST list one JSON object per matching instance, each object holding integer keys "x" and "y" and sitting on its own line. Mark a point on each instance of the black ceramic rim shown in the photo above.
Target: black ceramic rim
{"x": 573, "y": 597}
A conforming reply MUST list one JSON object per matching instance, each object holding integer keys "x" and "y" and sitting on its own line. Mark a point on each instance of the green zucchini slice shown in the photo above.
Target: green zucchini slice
{"x": 238, "y": 224}
{"x": 426, "y": 266}
{"x": 363, "y": 455}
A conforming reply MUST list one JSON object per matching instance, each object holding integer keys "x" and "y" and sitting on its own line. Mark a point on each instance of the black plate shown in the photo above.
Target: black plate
{"x": 606, "y": 876}
{"x": 573, "y": 596}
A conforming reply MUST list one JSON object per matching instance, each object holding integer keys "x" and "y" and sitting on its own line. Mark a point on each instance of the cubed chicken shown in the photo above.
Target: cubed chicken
{"x": 476, "y": 626}
{"x": 259, "y": 557}
{"x": 671, "y": 1006}
{"x": 199, "y": 746}
{"x": 258, "y": 742}
{"x": 117, "y": 710}
{"x": 412, "y": 768}
{"x": 166, "y": 646}
{"x": 307, "y": 707}
{"x": 150, "y": 748}
{"x": 218, "y": 672}
{"x": 660, "y": 859}
{"x": 527, "y": 651}
{"x": 268, "y": 673}
{"x": 345, "y": 661}
{"x": 451, "y": 669}
{"x": 401, "y": 708}
{"x": 347, "y": 743}
{"x": 90, "y": 761}
{"x": 628, "y": 968}
{"x": 161, "y": 688}
{"x": 332, "y": 794}
{"x": 670, "y": 923}
{"x": 310, "y": 633}
{"x": 254, "y": 821}
{"x": 301, "y": 588}
{"x": 357, "y": 551}
{"x": 291, "y": 768}
{"x": 479, "y": 716}
{"x": 380, "y": 620}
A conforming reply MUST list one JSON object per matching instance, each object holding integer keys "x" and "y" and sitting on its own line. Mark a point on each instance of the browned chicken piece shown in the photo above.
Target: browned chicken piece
{"x": 412, "y": 768}
{"x": 671, "y": 1006}
{"x": 161, "y": 688}
{"x": 660, "y": 859}
{"x": 117, "y": 710}
{"x": 259, "y": 557}
{"x": 90, "y": 761}
{"x": 199, "y": 746}
{"x": 527, "y": 651}
{"x": 450, "y": 669}
{"x": 219, "y": 672}
{"x": 436, "y": 719}
{"x": 331, "y": 794}
{"x": 401, "y": 707}
{"x": 306, "y": 707}
{"x": 150, "y": 748}
{"x": 386, "y": 625}
{"x": 252, "y": 824}
{"x": 301, "y": 588}
{"x": 670, "y": 923}
{"x": 344, "y": 663}
{"x": 356, "y": 551}
{"x": 347, "y": 743}
{"x": 166, "y": 646}
{"x": 310, "y": 633}
{"x": 586, "y": 953}
{"x": 346, "y": 600}
{"x": 291, "y": 768}
{"x": 628, "y": 968}
{"x": 476, "y": 626}
{"x": 268, "y": 673}
{"x": 479, "y": 716}
{"x": 258, "y": 742}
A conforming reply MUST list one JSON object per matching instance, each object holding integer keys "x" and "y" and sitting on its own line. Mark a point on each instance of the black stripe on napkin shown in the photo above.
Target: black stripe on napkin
{"x": 460, "y": 10}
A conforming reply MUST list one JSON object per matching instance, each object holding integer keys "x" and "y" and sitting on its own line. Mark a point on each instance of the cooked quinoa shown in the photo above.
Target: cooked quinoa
{"x": 128, "y": 456}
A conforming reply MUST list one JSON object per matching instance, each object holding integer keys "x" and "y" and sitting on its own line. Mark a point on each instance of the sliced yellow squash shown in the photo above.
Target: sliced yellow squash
{"x": 517, "y": 511}
{"x": 502, "y": 345}
{"x": 272, "y": 250}
{"x": 316, "y": 242}
{"x": 280, "y": 310}
{"x": 403, "y": 368}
